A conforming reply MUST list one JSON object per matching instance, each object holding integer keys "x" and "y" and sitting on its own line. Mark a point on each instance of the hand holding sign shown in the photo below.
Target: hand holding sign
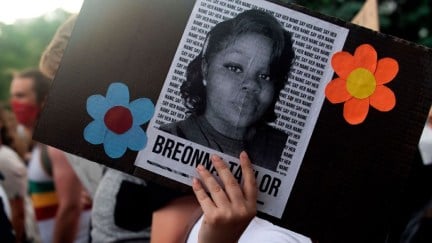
{"x": 230, "y": 208}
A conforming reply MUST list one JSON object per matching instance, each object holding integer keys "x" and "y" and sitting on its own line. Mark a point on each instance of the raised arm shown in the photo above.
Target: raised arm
{"x": 68, "y": 188}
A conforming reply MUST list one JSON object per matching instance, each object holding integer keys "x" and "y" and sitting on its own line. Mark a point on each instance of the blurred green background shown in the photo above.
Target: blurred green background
{"x": 22, "y": 43}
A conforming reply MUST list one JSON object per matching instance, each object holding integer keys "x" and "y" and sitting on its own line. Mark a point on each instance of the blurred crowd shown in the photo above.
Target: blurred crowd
{"x": 42, "y": 197}
{"x": 45, "y": 196}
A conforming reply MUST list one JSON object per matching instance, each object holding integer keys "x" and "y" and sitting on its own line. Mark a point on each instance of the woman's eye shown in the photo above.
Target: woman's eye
{"x": 234, "y": 68}
{"x": 265, "y": 77}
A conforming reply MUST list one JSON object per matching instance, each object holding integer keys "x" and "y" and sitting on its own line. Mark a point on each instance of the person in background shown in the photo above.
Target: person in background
{"x": 55, "y": 189}
{"x": 15, "y": 177}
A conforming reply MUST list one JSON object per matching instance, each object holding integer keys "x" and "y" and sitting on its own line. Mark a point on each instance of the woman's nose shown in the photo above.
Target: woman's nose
{"x": 251, "y": 84}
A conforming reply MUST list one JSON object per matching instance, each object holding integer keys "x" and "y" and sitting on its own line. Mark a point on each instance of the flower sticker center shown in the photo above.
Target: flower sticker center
{"x": 361, "y": 82}
{"x": 117, "y": 123}
{"x": 118, "y": 119}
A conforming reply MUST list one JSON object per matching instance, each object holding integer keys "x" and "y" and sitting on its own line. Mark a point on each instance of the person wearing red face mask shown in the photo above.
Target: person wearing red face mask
{"x": 54, "y": 187}
{"x": 27, "y": 99}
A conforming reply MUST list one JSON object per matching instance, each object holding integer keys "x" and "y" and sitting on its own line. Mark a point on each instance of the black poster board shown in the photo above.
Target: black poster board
{"x": 350, "y": 178}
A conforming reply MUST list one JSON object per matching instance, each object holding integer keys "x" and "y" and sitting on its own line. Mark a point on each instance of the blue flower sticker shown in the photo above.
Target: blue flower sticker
{"x": 117, "y": 122}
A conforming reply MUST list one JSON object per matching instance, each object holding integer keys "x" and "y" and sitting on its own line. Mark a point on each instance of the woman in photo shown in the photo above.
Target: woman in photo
{"x": 232, "y": 86}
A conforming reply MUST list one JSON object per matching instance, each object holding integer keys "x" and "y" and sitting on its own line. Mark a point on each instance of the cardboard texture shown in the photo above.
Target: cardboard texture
{"x": 351, "y": 177}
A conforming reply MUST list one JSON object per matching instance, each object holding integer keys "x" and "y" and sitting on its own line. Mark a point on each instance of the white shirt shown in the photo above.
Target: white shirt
{"x": 6, "y": 204}
{"x": 425, "y": 145}
{"x": 14, "y": 172}
{"x": 259, "y": 230}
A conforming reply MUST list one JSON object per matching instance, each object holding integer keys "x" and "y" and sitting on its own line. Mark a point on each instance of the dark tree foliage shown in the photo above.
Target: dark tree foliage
{"x": 407, "y": 19}
{"x": 411, "y": 20}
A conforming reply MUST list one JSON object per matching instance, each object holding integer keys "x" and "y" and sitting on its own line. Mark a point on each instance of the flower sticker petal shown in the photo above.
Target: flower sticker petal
{"x": 383, "y": 99}
{"x": 118, "y": 94}
{"x": 94, "y": 132}
{"x": 114, "y": 145}
{"x": 117, "y": 123}
{"x": 343, "y": 63}
{"x": 386, "y": 71}
{"x": 365, "y": 56}
{"x": 97, "y": 105}
{"x": 336, "y": 91}
{"x": 142, "y": 109}
{"x": 355, "y": 110}
{"x": 137, "y": 138}
{"x": 360, "y": 83}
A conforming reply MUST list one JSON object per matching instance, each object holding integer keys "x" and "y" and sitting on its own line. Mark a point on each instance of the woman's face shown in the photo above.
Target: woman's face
{"x": 238, "y": 83}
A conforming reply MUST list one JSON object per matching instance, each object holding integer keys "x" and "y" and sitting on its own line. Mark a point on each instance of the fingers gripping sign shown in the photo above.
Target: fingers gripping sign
{"x": 230, "y": 207}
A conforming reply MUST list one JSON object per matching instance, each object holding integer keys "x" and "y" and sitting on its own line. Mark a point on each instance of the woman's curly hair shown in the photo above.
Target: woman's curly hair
{"x": 224, "y": 34}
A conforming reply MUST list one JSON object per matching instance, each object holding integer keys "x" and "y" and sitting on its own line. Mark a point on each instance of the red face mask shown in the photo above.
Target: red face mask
{"x": 25, "y": 113}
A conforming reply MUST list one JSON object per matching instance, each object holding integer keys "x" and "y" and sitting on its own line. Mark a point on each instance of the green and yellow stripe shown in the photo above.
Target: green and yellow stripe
{"x": 44, "y": 199}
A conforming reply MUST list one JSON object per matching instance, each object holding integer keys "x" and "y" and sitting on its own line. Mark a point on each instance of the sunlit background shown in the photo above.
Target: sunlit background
{"x": 26, "y": 27}
{"x": 13, "y": 10}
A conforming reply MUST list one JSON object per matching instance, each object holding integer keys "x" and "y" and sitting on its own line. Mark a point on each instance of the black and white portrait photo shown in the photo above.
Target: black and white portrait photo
{"x": 232, "y": 86}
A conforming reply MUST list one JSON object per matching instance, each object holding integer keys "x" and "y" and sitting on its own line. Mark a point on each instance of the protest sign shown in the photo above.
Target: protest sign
{"x": 348, "y": 116}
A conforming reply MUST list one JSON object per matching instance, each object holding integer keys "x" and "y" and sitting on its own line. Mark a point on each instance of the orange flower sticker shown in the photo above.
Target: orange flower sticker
{"x": 360, "y": 83}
